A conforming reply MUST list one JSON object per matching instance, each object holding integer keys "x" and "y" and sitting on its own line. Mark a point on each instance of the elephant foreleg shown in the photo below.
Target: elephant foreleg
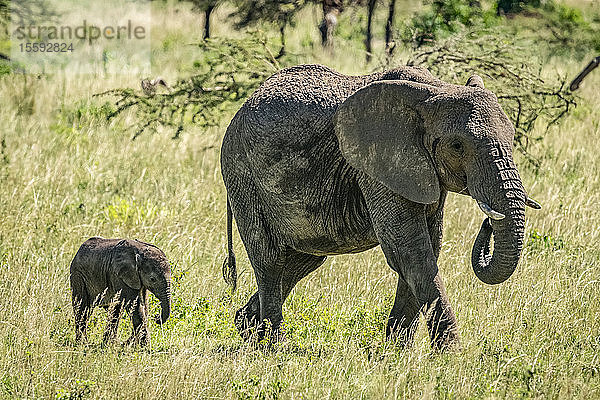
{"x": 115, "y": 309}
{"x": 441, "y": 321}
{"x": 402, "y": 229}
{"x": 415, "y": 262}
{"x": 435, "y": 225}
{"x": 139, "y": 320}
{"x": 404, "y": 316}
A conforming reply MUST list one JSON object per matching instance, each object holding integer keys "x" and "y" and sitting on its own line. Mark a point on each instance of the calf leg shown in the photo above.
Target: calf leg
{"x": 139, "y": 320}
{"x": 82, "y": 308}
{"x": 115, "y": 309}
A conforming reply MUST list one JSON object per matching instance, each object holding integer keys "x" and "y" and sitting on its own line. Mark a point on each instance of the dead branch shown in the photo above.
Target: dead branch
{"x": 589, "y": 68}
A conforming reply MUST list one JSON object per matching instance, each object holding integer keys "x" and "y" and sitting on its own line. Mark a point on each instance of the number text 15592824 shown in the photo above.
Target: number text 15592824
{"x": 43, "y": 47}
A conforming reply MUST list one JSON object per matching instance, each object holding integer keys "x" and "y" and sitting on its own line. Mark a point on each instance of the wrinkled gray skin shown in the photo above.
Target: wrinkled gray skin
{"x": 317, "y": 163}
{"x": 116, "y": 274}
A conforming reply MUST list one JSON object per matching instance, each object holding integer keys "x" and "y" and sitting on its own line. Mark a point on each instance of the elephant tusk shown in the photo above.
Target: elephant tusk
{"x": 487, "y": 210}
{"x": 529, "y": 202}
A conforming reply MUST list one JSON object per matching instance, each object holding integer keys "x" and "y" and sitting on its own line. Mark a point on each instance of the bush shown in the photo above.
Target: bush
{"x": 444, "y": 18}
{"x": 5, "y": 68}
{"x": 556, "y": 28}
{"x": 516, "y": 6}
{"x": 569, "y": 32}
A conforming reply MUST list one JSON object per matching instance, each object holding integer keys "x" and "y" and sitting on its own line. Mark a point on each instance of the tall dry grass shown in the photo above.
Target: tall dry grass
{"x": 66, "y": 175}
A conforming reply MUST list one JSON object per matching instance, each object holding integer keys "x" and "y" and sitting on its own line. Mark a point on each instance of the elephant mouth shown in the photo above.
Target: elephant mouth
{"x": 461, "y": 183}
{"x": 455, "y": 180}
{"x": 465, "y": 191}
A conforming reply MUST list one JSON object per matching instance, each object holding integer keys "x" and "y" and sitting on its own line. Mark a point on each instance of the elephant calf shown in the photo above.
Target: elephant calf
{"x": 116, "y": 274}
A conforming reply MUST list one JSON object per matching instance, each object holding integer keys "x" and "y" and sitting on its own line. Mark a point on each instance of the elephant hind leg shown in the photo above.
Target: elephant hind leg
{"x": 247, "y": 317}
{"x": 82, "y": 308}
{"x": 297, "y": 266}
{"x": 267, "y": 258}
{"x": 265, "y": 250}
{"x": 269, "y": 274}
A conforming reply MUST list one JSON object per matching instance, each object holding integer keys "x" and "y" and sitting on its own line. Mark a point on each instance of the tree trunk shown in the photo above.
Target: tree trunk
{"x": 207, "y": 13}
{"x": 389, "y": 26}
{"x": 369, "y": 38}
{"x": 282, "y": 37}
{"x": 331, "y": 10}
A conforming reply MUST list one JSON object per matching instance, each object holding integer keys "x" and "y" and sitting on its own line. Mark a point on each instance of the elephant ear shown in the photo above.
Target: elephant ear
{"x": 475, "y": 81}
{"x": 380, "y": 133}
{"x": 126, "y": 262}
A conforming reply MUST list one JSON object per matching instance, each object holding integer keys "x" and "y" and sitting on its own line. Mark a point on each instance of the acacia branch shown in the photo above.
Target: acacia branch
{"x": 228, "y": 72}
{"x": 524, "y": 95}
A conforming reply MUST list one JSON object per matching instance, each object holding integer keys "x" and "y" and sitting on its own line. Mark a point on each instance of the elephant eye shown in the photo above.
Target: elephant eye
{"x": 152, "y": 279}
{"x": 457, "y": 146}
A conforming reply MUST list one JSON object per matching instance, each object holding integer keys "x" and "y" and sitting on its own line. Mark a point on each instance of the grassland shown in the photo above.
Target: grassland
{"x": 66, "y": 175}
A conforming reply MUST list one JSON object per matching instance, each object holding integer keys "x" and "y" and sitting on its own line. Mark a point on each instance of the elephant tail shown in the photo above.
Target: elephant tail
{"x": 229, "y": 268}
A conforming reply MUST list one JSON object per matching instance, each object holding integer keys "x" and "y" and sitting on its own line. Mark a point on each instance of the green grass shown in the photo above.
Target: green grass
{"x": 66, "y": 175}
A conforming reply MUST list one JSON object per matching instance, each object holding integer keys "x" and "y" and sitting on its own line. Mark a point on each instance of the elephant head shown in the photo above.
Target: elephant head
{"x": 142, "y": 265}
{"x": 418, "y": 139}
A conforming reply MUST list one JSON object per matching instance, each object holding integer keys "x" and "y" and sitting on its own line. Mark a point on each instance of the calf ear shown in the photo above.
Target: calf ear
{"x": 129, "y": 276}
{"x": 126, "y": 266}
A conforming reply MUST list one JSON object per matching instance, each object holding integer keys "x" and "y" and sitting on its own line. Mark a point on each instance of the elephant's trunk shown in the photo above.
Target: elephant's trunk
{"x": 507, "y": 196}
{"x": 164, "y": 296}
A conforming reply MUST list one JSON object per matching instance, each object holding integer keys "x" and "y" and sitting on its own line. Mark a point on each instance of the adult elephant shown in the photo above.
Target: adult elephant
{"x": 317, "y": 163}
